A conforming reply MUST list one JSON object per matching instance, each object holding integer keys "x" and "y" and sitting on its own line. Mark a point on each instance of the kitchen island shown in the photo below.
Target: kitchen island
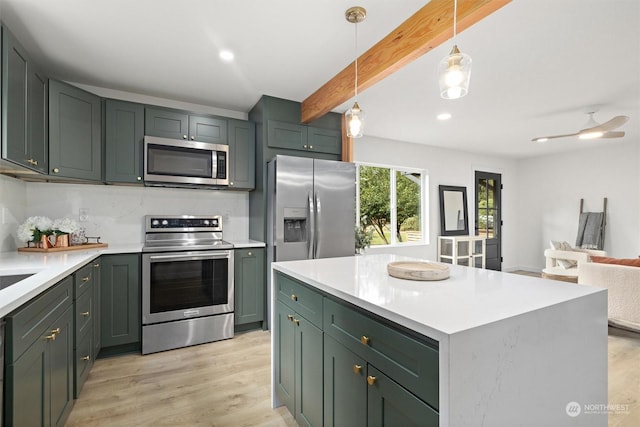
{"x": 479, "y": 348}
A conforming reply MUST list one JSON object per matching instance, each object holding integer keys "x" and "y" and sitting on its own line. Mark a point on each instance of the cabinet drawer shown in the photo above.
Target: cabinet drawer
{"x": 83, "y": 355}
{"x": 84, "y": 313}
{"x": 83, "y": 279}
{"x": 300, "y": 298}
{"x": 413, "y": 364}
{"x": 31, "y": 322}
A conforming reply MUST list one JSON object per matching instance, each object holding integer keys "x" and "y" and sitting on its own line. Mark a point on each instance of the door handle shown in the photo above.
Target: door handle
{"x": 312, "y": 235}
{"x": 317, "y": 235}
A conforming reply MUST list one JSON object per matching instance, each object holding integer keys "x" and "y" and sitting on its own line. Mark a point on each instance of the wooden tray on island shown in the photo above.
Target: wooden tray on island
{"x": 66, "y": 248}
{"x": 418, "y": 270}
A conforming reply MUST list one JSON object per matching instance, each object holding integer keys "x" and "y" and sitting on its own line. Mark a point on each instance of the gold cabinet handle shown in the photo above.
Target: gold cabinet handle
{"x": 290, "y": 317}
{"x": 311, "y": 147}
{"x": 231, "y": 183}
{"x": 304, "y": 146}
{"x": 294, "y": 297}
{"x": 184, "y": 136}
{"x": 86, "y": 358}
{"x": 249, "y": 254}
{"x": 371, "y": 380}
{"x": 297, "y": 322}
{"x": 96, "y": 265}
{"x": 85, "y": 313}
{"x": 193, "y": 138}
{"x": 139, "y": 178}
{"x": 85, "y": 279}
{"x": 54, "y": 332}
{"x": 56, "y": 170}
{"x": 364, "y": 340}
{"x": 357, "y": 369}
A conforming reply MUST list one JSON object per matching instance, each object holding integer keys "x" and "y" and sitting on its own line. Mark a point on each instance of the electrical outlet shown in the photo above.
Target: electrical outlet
{"x": 83, "y": 214}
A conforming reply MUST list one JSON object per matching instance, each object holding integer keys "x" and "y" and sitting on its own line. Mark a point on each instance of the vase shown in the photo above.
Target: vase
{"x": 47, "y": 242}
{"x": 62, "y": 241}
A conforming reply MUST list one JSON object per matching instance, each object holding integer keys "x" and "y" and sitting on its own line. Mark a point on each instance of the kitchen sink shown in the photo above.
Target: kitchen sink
{"x": 6, "y": 281}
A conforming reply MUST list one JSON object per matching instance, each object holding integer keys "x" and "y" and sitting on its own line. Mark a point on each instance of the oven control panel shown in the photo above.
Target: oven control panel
{"x": 172, "y": 223}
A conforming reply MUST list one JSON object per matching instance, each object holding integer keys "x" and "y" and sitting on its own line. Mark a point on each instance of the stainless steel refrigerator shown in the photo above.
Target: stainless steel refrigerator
{"x": 311, "y": 205}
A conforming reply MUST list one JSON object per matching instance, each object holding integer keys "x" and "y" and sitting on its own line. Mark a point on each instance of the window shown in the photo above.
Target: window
{"x": 391, "y": 204}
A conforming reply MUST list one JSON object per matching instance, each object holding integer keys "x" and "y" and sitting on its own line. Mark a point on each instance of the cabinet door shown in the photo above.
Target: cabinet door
{"x": 249, "y": 285}
{"x": 286, "y": 135}
{"x": 388, "y": 404}
{"x": 242, "y": 154}
{"x": 60, "y": 354}
{"x": 166, "y": 123}
{"x": 308, "y": 378}
{"x": 26, "y": 396}
{"x": 96, "y": 307}
{"x": 14, "y": 100}
{"x": 74, "y": 132}
{"x": 208, "y": 129}
{"x": 324, "y": 140}
{"x": 345, "y": 386}
{"x": 37, "y": 119}
{"x": 284, "y": 356}
{"x": 121, "y": 319}
{"x": 124, "y": 136}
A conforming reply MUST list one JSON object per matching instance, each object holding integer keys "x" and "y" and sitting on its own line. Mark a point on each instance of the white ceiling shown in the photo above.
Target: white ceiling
{"x": 537, "y": 64}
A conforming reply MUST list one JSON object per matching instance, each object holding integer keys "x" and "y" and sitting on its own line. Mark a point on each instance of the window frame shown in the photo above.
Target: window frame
{"x": 424, "y": 201}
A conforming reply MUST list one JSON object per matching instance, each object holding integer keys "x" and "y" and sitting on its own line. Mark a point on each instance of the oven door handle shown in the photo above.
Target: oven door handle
{"x": 209, "y": 255}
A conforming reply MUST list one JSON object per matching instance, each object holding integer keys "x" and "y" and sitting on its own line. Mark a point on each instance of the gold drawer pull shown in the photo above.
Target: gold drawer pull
{"x": 294, "y": 297}
{"x": 290, "y": 317}
{"x": 249, "y": 253}
{"x": 357, "y": 369}
{"x": 85, "y": 313}
{"x": 371, "y": 380}
{"x": 96, "y": 265}
{"x": 364, "y": 340}
{"x": 297, "y": 322}
{"x": 86, "y": 358}
{"x": 85, "y": 279}
{"x": 54, "y": 332}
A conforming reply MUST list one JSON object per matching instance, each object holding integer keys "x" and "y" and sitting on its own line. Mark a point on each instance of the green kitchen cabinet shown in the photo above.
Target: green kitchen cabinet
{"x": 120, "y": 311}
{"x": 124, "y": 138}
{"x": 75, "y": 133}
{"x": 299, "y": 358}
{"x": 39, "y": 365}
{"x": 24, "y": 107}
{"x": 324, "y": 140}
{"x": 97, "y": 342}
{"x": 178, "y": 124}
{"x": 249, "y": 285}
{"x": 292, "y": 136}
{"x": 242, "y": 154}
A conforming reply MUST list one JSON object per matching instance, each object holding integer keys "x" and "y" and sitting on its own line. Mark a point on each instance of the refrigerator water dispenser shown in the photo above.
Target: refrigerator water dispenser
{"x": 295, "y": 225}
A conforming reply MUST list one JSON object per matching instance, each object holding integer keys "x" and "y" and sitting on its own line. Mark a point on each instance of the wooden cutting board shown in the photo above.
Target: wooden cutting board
{"x": 418, "y": 270}
{"x": 66, "y": 248}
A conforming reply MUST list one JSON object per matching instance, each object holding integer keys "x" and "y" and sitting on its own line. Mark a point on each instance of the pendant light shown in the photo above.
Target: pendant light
{"x": 455, "y": 69}
{"x": 355, "y": 116}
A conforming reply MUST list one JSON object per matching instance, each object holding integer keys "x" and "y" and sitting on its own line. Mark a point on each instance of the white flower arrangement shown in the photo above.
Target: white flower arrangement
{"x": 37, "y": 226}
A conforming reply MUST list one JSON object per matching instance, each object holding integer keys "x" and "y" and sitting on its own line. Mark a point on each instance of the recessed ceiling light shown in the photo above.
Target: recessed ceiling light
{"x": 444, "y": 116}
{"x": 226, "y": 55}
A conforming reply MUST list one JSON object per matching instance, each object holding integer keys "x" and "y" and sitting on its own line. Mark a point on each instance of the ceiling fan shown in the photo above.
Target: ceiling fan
{"x": 593, "y": 129}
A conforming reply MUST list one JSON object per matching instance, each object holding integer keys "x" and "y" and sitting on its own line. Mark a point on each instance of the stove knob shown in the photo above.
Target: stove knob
{"x": 165, "y": 222}
{"x": 206, "y": 222}
{"x": 155, "y": 222}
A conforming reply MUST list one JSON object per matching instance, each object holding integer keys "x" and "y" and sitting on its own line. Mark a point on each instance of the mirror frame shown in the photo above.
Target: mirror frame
{"x": 457, "y": 232}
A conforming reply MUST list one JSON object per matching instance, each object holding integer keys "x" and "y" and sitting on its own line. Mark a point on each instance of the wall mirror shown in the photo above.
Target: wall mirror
{"x": 453, "y": 211}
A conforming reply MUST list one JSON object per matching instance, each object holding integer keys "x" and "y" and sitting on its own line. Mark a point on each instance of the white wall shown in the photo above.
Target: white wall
{"x": 551, "y": 188}
{"x": 447, "y": 167}
{"x": 13, "y": 206}
{"x": 116, "y": 212}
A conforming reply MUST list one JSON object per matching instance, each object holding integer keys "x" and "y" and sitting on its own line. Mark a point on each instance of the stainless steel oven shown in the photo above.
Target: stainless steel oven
{"x": 187, "y": 282}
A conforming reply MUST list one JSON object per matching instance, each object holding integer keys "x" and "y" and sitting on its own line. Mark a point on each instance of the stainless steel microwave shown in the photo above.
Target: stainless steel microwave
{"x": 185, "y": 163}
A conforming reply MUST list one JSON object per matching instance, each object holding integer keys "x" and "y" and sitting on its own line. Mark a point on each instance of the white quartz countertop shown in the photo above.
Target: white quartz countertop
{"x": 246, "y": 243}
{"x": 469, "y": 298}
{"x": 47, "y": 269}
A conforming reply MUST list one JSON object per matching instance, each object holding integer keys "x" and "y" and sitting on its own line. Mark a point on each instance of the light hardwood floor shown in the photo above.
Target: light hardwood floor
{"x": 227, "y": 383}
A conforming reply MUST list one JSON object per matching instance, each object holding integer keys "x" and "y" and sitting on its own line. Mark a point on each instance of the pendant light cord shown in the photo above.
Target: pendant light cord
{"x": 455, "y": 14}
{"x": 356, "y": 61}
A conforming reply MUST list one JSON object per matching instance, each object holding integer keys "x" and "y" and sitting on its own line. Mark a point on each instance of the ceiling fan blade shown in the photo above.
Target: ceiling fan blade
{"x": 613, "y": 134}
{"x": 612, "y": 124}
{"x": 544, "y": 138}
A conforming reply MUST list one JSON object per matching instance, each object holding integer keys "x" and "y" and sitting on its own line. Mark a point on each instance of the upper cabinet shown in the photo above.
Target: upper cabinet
{"x": 242, "y": 155}
{"x": 176, "y": 124}
{"x": 74, "y": 132}
{"x": 124, "y": 136}
{"x": 301, "y": 137}
{"x": 24, "y": 107}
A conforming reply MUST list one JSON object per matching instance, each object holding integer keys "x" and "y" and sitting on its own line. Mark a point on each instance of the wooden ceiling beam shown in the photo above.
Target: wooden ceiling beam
{"x": 423, "y": 31}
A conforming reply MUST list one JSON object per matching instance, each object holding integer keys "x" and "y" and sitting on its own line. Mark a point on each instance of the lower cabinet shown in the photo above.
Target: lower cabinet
{"x": 249, "y": 285}
{"x": 39, "y": 365}
{"x": 86, "y": 322}
{"x": 120, "y": 311}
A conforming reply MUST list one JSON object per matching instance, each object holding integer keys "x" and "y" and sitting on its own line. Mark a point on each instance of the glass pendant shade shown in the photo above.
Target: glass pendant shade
{"x": 454, "y": 71}
{"x": 355, "y": 121}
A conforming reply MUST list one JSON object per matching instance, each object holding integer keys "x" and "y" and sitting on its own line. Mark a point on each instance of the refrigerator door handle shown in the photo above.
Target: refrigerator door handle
{"x": 317, "y": 221}
{"x": 312, "y": 228}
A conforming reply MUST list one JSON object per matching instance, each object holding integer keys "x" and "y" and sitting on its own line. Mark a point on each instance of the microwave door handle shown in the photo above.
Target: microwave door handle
{"x": 312, "y": 235}
{"x": 214, "y": 164}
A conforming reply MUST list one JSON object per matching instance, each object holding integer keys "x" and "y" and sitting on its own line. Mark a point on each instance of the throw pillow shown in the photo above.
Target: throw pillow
{"x": 631, "y": 262}
{"x": 563, "y": 246}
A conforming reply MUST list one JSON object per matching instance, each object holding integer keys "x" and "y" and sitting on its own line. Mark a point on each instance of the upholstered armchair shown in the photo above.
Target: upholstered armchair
{"x": 563, "y": 264}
